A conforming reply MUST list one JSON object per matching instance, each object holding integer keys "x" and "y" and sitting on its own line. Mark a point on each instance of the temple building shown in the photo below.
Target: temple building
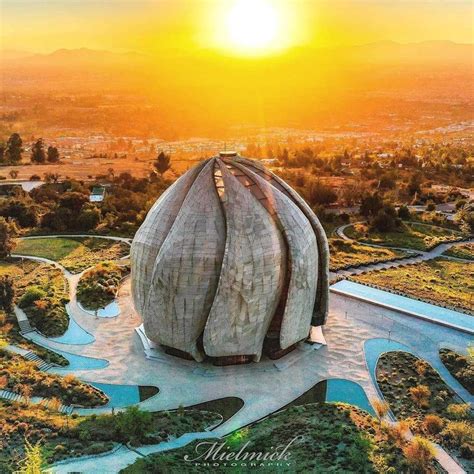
{"x": 230, "y": 264}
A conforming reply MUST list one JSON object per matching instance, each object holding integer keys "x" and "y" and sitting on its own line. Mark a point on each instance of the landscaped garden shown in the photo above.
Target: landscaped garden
{"x": 99, "y": 285}
{"x": 461, "y": 368}
{"x": 23, "y": 377}
{"x": 329, "y": 438}
{"x": 410, "y": 235}
{"x": 344, "y": 254}
{"x": 440, "y": 281}
{"x": 74, "y": 254}
{"x": 42, "y": 292}
{"x": 61, "y": 437}
{"x": 465, "y": 251}
{"x": 417, "y": 395}
{"x": 11, "y": 335}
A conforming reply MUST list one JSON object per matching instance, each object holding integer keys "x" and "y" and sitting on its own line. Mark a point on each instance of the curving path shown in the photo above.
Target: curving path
{"x": 417, "y": 258}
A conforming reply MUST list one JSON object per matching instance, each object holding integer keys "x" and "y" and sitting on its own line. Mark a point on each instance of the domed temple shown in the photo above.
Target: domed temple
{"x": 229, "y": 264}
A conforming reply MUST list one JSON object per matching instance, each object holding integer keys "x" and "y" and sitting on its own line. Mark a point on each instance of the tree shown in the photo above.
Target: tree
{"x": 162, "y": 163}
{"x": 14, "y": 148}
{"x": 371, "y": 204}
{"x": 319, "y": 193}
{"x": 404, "y": 213}
{"x": 53, "y": 154}
{"x": 51, "y": 177}
{"x": 3, "y": 149}
{"x": 6, "y": 240}
{"x": 88, "y": 219}
{"x": 383, "y": 221}
{"x": 133, "y": 424}
{"x": 73, "y": 201}
{"x": 37, "y": 152}
{"x": 7, "y": 293}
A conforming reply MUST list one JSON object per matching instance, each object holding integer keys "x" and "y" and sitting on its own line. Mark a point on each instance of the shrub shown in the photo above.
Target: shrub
{"x": 456, "y": 433}
{"x": 459, "y": 411}
{"x": 420, "y": 395}
{"x": 419, "y": 453}
{"x": 433, "y": 424}
{"x": 467, "y": 451}
{"x": 381, "y": 407}
{"x": 32, "y": 294}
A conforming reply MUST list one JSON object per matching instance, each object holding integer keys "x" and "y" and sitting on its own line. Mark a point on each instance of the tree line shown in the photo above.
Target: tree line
{"x": 11, "y": 153}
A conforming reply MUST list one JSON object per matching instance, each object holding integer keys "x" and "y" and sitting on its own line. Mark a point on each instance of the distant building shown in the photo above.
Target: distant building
{"x": 97, "y": 194}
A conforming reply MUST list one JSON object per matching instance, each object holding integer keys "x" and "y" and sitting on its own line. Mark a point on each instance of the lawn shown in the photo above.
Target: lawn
{"x": 438, "y": 281}
{"x": 465, "y": 251}
{"x": 417, "y": 394}
{"x": 344, "y": 254}
{"x": 75, "y": 254}
{"x": 329, "y": 438}
{"x": 412, "y": 236}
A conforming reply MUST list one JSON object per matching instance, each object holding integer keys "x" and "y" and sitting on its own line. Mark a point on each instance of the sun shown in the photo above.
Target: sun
{"x": 252, "y": 25}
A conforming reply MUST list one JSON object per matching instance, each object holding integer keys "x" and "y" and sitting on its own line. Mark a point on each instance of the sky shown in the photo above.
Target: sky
{"x": 150, "y": 26}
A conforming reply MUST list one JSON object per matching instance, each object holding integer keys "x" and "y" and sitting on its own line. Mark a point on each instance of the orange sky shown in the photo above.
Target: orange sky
{"x": 154, "y": 26}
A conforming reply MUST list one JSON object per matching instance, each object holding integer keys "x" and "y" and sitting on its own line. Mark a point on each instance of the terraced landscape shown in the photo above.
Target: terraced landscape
{"x": 73, "y": 253}
{"x": 465, "y": 251}
{"x": 414, "y": 236}
{"x": 345, "y": 254}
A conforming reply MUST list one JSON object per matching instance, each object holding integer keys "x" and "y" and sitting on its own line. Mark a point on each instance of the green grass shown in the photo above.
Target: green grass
{"x": 344, "y": 253}
{"x": 331, "y": 438}
{"x": 75, "y": 254}
{"x": 439, "y": 281}
{"x": 412, "y": 236}
{"x": 465, "y": 251}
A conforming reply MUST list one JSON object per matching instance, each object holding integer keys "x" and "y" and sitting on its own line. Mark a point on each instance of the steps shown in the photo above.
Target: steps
{"x": 11, "y": 396}
{"x": 25, "y": 326}
{"x": 42, "y": 365}
{"x": 16, "y": 397}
